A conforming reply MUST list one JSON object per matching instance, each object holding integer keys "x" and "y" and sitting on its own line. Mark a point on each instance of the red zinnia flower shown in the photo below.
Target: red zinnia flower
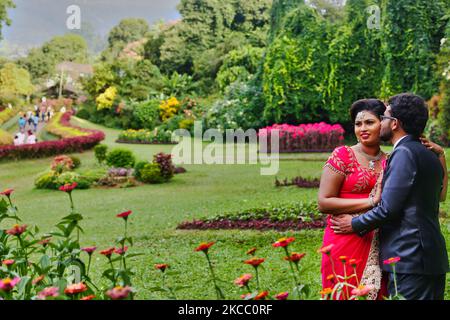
{"x": 89, "y": 250}
{"x": 262, "y": 295}
{"x": 295, "y": 257}
{"x": 7, "y": 192}
{"x": 75, "y": 288}
{"x": 107, "y": 252}
{"x": 48, "y": 292}
{"x": 282, "y": 296}
{"x": 343, "y": 259}
{"x": 121, "y": 251}
{"x": 331, "y": 278}
{"x": 204, "y": 247}
{"x": 326, "y": 249}
{"x": 354, "y": 262}
{"x": 119, "y": 293}
{"x": 255, "y": 262}
{"x": 251, "y": 251}
{"x": 8, "y": 284}
{"x": 124, "y": 214}
{"x": 243, "y": 280}
{"x": 89, "y": 297}
{"x": 392, "y": 261}
{"x": 68, "y": 187}
{"x": 161, "y": 266}
{"x": 17, "y": 230}
{"x": 8, "y": 262}
{"x": 283, "y": 242}
{"x": 362, "y": 291}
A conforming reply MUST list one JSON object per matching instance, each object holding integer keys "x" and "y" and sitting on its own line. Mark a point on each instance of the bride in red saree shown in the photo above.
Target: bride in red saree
{"x": 350, "y": 184}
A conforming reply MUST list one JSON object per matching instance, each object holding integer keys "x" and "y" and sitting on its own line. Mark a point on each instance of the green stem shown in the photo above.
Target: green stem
{"x": 395, "y": 281}
{"x": 89, "y": 264}
{"x": 218, "y": 292}
{"x": 257, "y": 279}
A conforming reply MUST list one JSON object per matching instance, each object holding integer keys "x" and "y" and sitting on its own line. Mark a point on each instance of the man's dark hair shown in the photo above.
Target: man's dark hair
{"x": 374, "y": 106}
{"x": 412, "y": 112}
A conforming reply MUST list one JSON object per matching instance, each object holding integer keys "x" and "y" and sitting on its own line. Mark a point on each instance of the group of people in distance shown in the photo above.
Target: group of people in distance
{"x": 42, "y": 113}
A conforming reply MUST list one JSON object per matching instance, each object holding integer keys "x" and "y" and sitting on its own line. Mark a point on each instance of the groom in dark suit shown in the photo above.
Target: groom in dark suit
{"x": 407, "y": 216}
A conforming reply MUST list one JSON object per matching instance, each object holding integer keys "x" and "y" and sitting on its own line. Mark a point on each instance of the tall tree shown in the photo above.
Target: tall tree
{"x": 128, "y": 30}
{"x": 15, "y": 81}
{"x": 412, "y": 30}
{"x": 4, "y": 6}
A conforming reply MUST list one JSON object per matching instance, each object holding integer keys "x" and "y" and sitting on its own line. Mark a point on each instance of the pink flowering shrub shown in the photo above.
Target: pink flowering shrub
{"x": 50, "y": 148}
{"x": 311, "y": 137}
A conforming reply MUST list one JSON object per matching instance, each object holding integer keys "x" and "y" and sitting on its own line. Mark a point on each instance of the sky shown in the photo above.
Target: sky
{"x": 37, "y": 21}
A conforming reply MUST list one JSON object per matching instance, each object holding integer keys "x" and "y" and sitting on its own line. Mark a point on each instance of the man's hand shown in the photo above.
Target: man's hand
{"x": 342, "y": 224}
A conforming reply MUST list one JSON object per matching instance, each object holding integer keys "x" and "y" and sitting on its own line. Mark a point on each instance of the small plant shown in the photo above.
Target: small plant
{"x": 164, "y": 161}
{"x": 76, "y": 162}
{"x": 120, "y": 158}
{"x": 100, "y": 152}
{"x": 138, "y": 168}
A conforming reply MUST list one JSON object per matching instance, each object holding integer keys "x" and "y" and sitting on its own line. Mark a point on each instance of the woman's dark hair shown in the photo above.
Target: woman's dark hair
{"x": 374, "y": 106}
{"x": 412, "y": 112}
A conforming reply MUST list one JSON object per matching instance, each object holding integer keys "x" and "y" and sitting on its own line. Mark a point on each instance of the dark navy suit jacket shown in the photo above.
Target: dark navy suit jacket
{"x": 407, "y": 216}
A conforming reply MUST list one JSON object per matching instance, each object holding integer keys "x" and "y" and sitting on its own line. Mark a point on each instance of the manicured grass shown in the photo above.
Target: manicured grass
{"x": 205, "y": 190}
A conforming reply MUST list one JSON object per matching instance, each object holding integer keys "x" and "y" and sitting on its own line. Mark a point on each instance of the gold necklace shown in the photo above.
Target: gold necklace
{"x": 372, "y": 159}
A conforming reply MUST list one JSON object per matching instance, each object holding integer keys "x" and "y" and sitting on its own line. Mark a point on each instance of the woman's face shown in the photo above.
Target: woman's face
{"x": 367, "y": 128}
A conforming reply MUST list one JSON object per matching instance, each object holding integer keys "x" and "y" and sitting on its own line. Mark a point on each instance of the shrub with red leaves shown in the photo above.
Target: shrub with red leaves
{"x": 299, "y": 182}
{"x": 165, "y": 164}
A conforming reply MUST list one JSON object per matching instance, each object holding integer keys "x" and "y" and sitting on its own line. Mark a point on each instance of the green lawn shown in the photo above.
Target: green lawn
{"x": 205, "y": 190}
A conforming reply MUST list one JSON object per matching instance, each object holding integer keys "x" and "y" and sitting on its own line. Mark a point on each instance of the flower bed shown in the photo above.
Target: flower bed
{"x": 295, "y": 216}
{"x": 299, "y": 182}
{"x": 316, "y": 137}
{"x": 144, "y": 136}
{"x": 69, "y": 144}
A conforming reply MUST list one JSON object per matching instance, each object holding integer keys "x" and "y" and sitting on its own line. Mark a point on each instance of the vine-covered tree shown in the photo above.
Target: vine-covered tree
{"x": 412, "y": 31}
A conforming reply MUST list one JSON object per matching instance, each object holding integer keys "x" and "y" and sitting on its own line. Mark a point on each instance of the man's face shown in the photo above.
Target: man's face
{"x": 387, "y": 133}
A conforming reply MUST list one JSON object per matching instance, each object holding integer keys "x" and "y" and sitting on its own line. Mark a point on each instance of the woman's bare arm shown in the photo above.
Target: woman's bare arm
{"x": 329, "y": 201}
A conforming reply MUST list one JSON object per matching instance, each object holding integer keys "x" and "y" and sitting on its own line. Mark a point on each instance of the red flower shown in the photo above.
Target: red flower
{"x": 204, "y": 247}
{"x": 124, "y": 214}
{"x": 8, "y": 262}
{"x": 362, "y": 291}
{"x": 8, "y": 284}
{"x": 48, "y": 292}
{"x": 243, "y": 280}
{"x": 89, "y": 250}
{"x": 282, "y": 296}
{"x": 7, "y": 192}
{"x": 89, "y": 297}
{"x": 392, "y": 261}
{"x": 343, "y": 259}
{"x": 255, "y": 262}
{"x": 251, "y": 251}
{"x": 161, "y": 266}
{"x": 38, "y": 279}
{"x": 262, "y": 295}
{"x": 295, "y": 257}
{"x": 68, "y": 187}
{"x": 121, "y": 251}
{"x": 17, "y": 230}
{"x": 326, "y": 249}
{"x": 283, "y": 242}
{"x": 119, "y": 293}
{"x": 75, "y": 288}
{"x": 108, "y": 252}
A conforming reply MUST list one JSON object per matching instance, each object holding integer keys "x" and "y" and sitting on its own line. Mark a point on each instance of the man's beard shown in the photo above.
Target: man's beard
{"x": 386, "y": 135}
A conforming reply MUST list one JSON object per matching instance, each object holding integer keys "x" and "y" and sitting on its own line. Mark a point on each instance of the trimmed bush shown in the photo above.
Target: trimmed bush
{"x": 120, "y": 158}
{"x": 315, "y": 137}
{"x": 138, "y": 168}
{"x": 100, "y": 152}
{"x": 151, "y": 173}
{"x": 71, "y": 177}
{"x": 46, "y": 180}
{"x": 166, "y": 167}
{"x": 76, "y": 162}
